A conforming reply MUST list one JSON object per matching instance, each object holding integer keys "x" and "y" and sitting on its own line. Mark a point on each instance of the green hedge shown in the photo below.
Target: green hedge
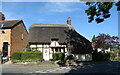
{"x": 16, "y": 56}
{"x": 27, "y": 56}
{"x": 98, "y": 56}
{"x": 58, "y": 56}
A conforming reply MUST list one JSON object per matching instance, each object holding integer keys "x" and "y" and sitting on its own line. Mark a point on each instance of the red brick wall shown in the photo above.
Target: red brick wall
{"x": 17, "y": 44}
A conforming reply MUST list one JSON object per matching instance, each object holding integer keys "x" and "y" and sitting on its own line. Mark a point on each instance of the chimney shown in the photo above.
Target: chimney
{"x": 2, "y": 17}
{"x": 69, "y": 21}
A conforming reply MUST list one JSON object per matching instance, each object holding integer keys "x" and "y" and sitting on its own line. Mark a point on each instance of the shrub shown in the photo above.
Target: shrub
{"x": 55, "y": 56}
{"x": 62, "y": 56}
{"x": 70, "y": 57}
{"x": 16, "y": 56}
{"x": 58, "y": 56}
{"x": 98, "y": 56}
{"x": 27, "y": 56}
{"x": 31, "y": 56}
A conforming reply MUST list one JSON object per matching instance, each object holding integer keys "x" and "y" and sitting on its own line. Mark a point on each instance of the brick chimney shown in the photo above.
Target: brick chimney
{"x": 2, "y": 17}
{"x": 69, "y": 21}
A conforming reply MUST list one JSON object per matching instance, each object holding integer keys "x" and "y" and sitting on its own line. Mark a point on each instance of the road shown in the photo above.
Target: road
{"x": 110, "y": 68}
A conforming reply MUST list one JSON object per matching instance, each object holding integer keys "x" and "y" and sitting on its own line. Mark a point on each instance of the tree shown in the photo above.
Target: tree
{"x": 99, "y": 11}
{"x": 93, "y": 41}
{"x": 105, "y": 41}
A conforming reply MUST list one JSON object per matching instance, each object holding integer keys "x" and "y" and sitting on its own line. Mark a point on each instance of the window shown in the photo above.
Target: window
{"x": 56, "y": 49}
{"x": 5, "y": 49}
{"x": 54, "y": 39}
{"x": 22, "y": 36}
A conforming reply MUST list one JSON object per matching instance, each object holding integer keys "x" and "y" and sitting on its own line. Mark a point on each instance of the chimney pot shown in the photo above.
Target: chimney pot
{"x": 2, "y": 17}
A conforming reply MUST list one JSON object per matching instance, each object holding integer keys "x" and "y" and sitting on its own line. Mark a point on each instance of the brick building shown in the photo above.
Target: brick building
{"x": 13, "y": 36}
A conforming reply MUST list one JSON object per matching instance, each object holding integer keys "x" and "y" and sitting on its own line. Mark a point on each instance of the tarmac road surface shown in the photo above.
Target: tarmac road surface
{"x": 105, "y": 68}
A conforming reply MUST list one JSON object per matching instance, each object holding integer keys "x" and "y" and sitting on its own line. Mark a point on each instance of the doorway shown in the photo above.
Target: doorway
{"x": 46, "y": 54}
{"x": 5, "y": 49}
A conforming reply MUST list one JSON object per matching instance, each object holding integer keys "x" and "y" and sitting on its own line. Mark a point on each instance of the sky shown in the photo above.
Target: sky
{"x": 57, "y": 13}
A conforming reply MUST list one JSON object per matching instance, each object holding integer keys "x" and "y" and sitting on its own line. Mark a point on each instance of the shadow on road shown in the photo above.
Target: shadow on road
{"x": 103, "y": 68}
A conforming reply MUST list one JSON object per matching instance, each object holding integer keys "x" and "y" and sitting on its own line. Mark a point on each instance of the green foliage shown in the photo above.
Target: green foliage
{"x": 27, "y": 56}
{"x": 55, "y": 56}
{"x": 0, "y": 53}
{"x": 114, "y": 54}
{"x": 70, "y": 59}
{"x": 94, "y": 38}
{"x": 58, "y": 56}
{"x": 99, "y": 11}
{"x": 62, "y": 56}
{"x": 118, "y": 5}
{"x": 31, "y": 56}
{"x": 99, "y": 56}
{"x": 16, "y": 56}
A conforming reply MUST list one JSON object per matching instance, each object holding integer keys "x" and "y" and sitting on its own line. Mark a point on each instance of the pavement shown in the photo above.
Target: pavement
{"x": 27, "y": 68}
{"x": 0, "y": 69}
{"x": 9, "y": 62}
{"x": 105, "y": 68}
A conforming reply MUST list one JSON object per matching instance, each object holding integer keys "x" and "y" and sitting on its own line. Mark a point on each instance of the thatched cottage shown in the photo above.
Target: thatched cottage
{"x": 54, "y": 38}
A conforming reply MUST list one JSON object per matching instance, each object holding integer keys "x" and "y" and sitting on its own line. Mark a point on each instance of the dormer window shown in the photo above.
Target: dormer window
{"x": 54, "y": 39}
{"x": 54, "y": 42}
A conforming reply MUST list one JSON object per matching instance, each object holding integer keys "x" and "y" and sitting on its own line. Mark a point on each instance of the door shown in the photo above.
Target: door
{"x": 5, "y": 49}
{"x": 46, "y": 55}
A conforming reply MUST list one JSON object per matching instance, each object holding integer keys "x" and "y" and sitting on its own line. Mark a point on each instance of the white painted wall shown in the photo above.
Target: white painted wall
{"x": 39, "y": 45}
{"x": 32, "y": 46}
{"x": 45, "y": 46}
{"x": 106, "y": 50}
{"x": 63, "y": 45}
{"x": 47, "y": 51}
{"x": 40, "y": 49}
{"x": 65, "y": 49}
{"x": 83, "y": 57}
{"x": 54, "y": 44}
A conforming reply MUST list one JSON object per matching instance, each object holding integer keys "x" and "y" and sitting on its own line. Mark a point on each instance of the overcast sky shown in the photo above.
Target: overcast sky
{"x": 57, "y": 13}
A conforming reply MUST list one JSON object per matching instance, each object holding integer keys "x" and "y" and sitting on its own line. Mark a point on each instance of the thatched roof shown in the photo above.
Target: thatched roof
{"x": 44, "y": 33}
{"x": 77, "y": 43}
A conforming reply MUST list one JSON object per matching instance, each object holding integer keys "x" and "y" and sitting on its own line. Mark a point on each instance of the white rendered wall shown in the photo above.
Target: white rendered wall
{"x": 47, "y": 51}
{"x": 106, "y": 50}
{"x": 83, "y": 57}
{"x": 32, "y": 46}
